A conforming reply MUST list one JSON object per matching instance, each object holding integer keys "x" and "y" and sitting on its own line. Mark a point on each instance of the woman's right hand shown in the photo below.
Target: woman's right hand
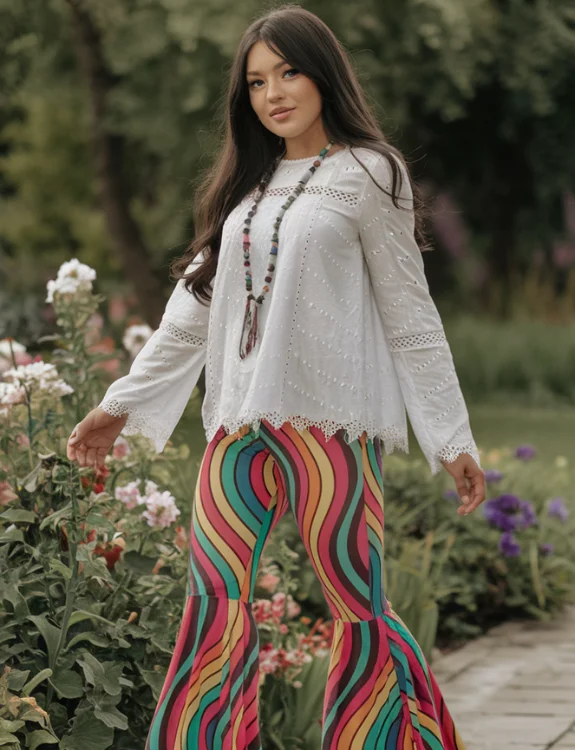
{"x": 93, "y": 437}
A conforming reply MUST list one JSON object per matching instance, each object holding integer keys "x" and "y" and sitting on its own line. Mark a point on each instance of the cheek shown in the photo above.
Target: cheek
{"x": 308, "y": 94}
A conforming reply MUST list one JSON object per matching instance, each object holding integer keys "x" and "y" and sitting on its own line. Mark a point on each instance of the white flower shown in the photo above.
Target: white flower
{"x": 11, "y": 394}
{"x": 129, "y": 494}
{"x": 73, "y": 276}
{"x": 5, "y": 347}
{"x": 38, "y": 376}
{"x": 161, "y": 509}
{"x": 151, "y": 487}
{"x": 135, "y": 337}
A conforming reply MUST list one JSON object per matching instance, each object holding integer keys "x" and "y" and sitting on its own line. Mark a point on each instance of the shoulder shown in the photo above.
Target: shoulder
{"x": 381, "y": 168}
{"x": 379, "y": 164}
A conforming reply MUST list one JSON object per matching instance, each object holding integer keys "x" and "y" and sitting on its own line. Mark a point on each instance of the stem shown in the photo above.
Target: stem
{"x": 71, "y": 590}
{"x": 127, "y": 576}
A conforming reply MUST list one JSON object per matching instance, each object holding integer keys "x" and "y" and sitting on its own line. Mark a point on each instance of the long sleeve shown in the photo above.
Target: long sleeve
{"x": 412, "y": 324}
{"x": 165, "y": 371}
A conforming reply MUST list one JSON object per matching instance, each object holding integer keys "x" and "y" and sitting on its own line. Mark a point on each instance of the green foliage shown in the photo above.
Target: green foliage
{"x": 480, "y": 90}
{"x": 91, "y": 597}
{"x": 526, "y": 361}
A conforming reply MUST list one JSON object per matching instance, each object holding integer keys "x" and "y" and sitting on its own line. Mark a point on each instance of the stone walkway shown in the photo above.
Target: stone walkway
{"x": 515, "y": 687}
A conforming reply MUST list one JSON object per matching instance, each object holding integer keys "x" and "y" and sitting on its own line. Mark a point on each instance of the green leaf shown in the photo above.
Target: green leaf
{"x": 40, "y": 737}
{"x": 11, "y": 535}
{"x": 155, "y": 679}
{"x": 30, "y": 481}
{"x": 105, "y": 675}
{"x": 95, "y": 520}
{"x": 49, "y": 632}
{"x": 18, "y": 515}
{"x": 81, "y": 614}
{"x": 94, "y": 638}
{"x": 11, "y": 594}
{"x": 105, "y": 710}
{"x": 60, "y": 515}
{"x": 57, "y": 566}
{"x": 94, "y": 567}
{"x": 67, "y": 683}
{"x": 139, "y": 563}
{"x": 10, "y": 726}
{"x": 88, "y": 733}
{"x": 36, "y": 680}
{"x": 9, "y": 740}
{"x": 17, "y": 679}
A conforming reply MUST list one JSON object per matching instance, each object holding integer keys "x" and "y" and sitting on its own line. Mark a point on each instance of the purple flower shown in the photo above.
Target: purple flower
{"x": 556, "y": 508}
{"x": 525, "y": 452}
{"x": 497, "y": 517}
{"x": 508, "y": 545}
{"x": 493, "y": 475}
{"x": 528, "y": 515}
{"x": 508, "y": 503}
{"x": 509, "y": 513}
{"x": 546, "y": 549}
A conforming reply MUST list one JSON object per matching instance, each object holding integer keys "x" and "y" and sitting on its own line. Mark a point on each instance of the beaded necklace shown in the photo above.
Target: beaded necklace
{"x": 250, "y": 325}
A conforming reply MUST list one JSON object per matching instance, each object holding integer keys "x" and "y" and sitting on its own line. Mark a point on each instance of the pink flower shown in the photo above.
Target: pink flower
{"x": 293, "y": 608}
{"x": 161, "y": 510}
{"x": 268, "y": 582}
{"x": 261, "y": 609}
{"x": 6, "y": 494}
{"x": 129, "y": 495}
{"x": 117, "y": 309}
{"x": 121, "y": 448}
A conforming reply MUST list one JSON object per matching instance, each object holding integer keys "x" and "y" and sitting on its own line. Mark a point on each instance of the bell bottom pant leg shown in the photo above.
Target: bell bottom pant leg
{"x": 380, "y": 692}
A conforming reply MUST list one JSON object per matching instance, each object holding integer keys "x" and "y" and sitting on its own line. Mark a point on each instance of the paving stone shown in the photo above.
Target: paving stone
{"x": 515, "y": 687}
{"x": 521, "y": 730}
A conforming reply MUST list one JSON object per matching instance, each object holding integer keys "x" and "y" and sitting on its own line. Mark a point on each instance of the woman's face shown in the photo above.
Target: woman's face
{"x": 273, "y": 83}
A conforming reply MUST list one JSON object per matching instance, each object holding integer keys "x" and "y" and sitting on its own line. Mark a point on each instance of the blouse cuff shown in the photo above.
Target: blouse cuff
{"x": 461, "y": 442}
{"x": 138, "y": 422}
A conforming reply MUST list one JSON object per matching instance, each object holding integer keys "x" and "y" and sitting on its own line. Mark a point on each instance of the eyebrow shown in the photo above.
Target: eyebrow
{"x": 275, "y": 67}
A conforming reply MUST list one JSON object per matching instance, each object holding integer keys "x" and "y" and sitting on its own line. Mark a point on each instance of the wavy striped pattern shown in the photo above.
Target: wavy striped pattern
{"x": 380, "y": 692}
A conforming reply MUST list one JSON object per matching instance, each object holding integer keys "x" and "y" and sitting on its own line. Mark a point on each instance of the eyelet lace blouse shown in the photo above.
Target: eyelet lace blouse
{"x": 348, "y": 335}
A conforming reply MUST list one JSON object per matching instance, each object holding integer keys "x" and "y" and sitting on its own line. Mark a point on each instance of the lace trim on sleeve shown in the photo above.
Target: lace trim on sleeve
{"x": 460, "y": 443}
{"x": 137, "y": 423}
{"x": 181, "y": 334}
{"x": 424, "y": 340}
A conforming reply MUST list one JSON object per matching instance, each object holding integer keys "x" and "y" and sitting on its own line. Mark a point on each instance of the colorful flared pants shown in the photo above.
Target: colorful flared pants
{"x": 380, "y": 692}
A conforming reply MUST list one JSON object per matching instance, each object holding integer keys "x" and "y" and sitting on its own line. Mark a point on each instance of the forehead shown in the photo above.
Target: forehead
{"x": 261, "y": 58}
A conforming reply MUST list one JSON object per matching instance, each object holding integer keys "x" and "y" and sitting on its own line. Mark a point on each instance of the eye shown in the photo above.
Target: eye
{"x": 257, "y": 80}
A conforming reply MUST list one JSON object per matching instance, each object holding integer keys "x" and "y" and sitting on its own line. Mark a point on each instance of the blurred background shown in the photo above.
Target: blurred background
{"x": 107, "y": 118}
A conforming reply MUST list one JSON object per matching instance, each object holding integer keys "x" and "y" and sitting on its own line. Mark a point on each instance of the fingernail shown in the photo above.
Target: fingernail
{"x": 465, "y": 498}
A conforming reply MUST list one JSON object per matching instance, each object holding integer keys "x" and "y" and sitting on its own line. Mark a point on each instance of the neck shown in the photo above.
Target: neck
{"x": 307, "y": 145}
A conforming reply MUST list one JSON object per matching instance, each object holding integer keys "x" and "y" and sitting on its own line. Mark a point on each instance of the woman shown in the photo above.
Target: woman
{"x": 305, "y": 382}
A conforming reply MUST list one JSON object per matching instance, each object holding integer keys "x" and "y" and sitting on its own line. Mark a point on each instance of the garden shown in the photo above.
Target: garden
{"x": 110, "y": 115}
{"x": 93, "y": 563}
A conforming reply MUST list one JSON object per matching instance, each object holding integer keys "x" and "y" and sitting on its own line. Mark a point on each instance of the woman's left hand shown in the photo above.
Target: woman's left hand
{"x": 469, "y": 482}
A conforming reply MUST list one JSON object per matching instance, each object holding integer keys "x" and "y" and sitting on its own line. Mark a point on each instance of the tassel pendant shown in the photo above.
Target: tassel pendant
{"x": 250, "y": 327}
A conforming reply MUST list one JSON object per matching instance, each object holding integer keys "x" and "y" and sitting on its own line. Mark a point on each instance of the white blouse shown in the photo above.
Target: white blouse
{"x": 348, "y": 335}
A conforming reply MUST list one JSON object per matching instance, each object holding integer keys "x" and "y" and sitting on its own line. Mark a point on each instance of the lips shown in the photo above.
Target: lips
{"x": 281, "y": 111}
{"x": 282, "y": 115}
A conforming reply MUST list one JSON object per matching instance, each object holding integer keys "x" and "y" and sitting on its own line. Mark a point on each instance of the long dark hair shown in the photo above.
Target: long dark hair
{"x": 248, "y": 148}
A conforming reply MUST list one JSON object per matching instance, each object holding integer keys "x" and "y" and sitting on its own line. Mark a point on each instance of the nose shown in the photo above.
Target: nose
{"x": 274, "y": 91}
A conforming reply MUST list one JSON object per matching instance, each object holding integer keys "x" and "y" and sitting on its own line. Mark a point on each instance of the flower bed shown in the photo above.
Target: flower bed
{"x": 93, "y": 564}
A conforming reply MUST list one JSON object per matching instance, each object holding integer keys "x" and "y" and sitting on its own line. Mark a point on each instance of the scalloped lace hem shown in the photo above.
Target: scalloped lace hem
{"x": 392, "y": 437}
